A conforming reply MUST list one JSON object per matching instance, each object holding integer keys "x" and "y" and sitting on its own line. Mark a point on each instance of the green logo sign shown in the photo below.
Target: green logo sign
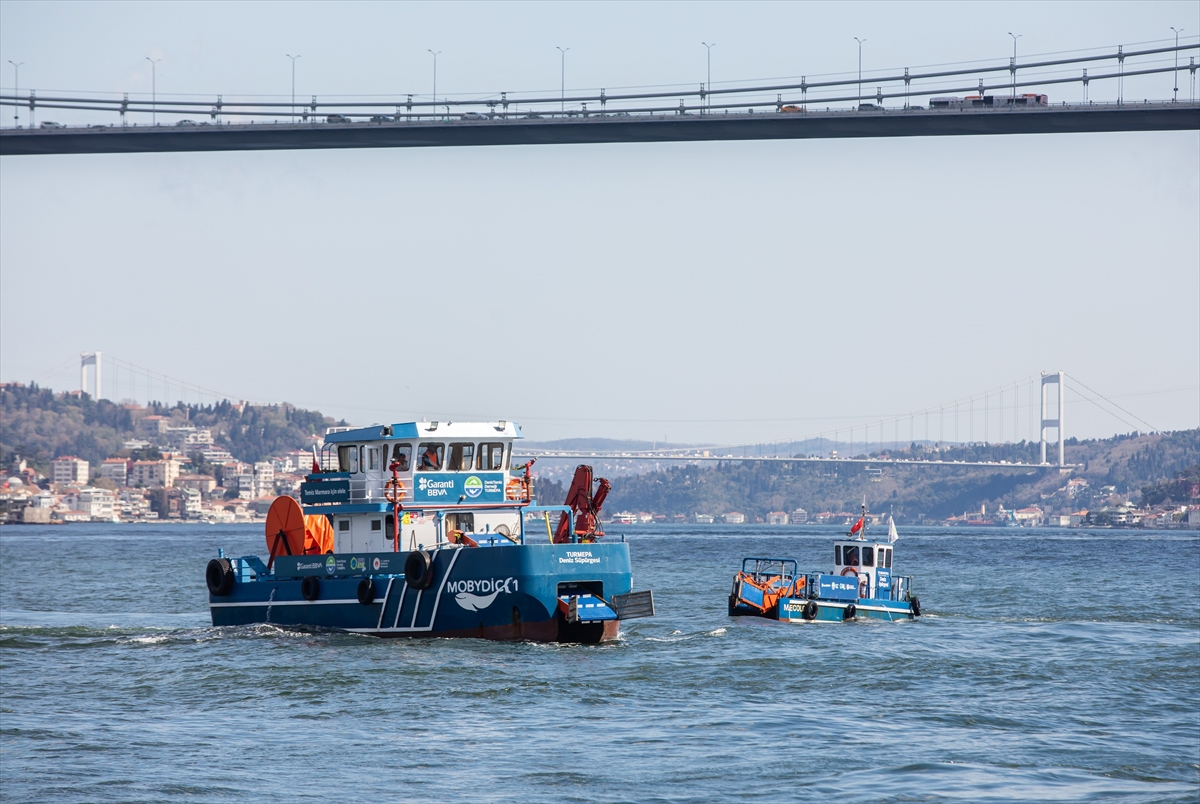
{"x": 473, "y": 486}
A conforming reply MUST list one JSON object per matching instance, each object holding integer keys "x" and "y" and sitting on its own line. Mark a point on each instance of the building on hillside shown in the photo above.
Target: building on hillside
{"x": 704, "y": 519}
{"x": 216, "y": 456}
{"x": 644, "y": 518}
{"x": 799, "y": 516}
{"x": 153, "y": 427}
{"x": 116, "y": 470}
{"x": 190, "y": 503}
{"x": 69, "y": 469}
{"x": 204, "y": 484}
{"x": 264, "y": 479}
{"x": 777, "y": 518}
{"x": 1076, "y": 485}
{"x": 149, "y": 474}
{"x": 735, "y": 518}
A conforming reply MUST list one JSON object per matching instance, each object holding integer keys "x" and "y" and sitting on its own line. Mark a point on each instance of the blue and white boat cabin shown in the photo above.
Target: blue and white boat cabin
{"x": 449, "y": 478}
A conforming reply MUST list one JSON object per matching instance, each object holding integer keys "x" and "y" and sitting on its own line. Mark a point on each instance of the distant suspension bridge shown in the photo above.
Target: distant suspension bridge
{"x": 1027, "y": 409}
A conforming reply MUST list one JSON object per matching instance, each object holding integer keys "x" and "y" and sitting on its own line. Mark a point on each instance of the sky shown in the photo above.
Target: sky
{"x": 688, "y": 292}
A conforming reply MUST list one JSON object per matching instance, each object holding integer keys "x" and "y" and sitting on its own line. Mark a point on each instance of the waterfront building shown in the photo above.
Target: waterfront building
{"x": 735, "y": 518}
{"x": 799, "y": 516}
{"x": 777, "y": 518}
{"x": 704, "y": 519}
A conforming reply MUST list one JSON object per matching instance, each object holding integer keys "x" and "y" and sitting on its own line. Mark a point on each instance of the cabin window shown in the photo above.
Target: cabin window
{"x": 837, "y": 555}
{"x": 491, "y": 457}
{"x": 868, "y": 556}
{"x": 461, "y": 522}
{"x": 373, "y": 459}
{"x": 344, "y": 525}
{"x": 376, "y": 525}
{"x": 402, "y": 455}
{"x": 462, "y": 457}
{"x": 430, "y": 458}
{"x": 348, "y": 459}
{"x": 887, "y": 558}
{"x": 850, "y": 556}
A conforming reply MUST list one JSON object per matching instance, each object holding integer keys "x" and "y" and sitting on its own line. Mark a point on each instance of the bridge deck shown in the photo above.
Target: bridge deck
{"x": 611, "y": 128}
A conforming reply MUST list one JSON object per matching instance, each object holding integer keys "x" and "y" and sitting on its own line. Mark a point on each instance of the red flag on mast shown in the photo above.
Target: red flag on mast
{"x": 857, "y": 526}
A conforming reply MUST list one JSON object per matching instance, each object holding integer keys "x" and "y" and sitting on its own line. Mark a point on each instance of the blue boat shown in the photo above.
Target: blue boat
{"x": 419, "y": 529}
{"x": 860, "y": 586}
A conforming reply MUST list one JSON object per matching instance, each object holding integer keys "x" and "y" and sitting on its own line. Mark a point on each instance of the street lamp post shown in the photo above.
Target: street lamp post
{"x": 293, "y": 58}
{"x": 17, "y": 86}
{"x": 1013, "y": 68}
{"x": 153, "y": 89}
{"x": 563, "y": 102}
{"x": 708, "y": 86}
{"x": 860, "y": 44}
{"x": 1178, "y": 31}
{"x": 435, "y": 55}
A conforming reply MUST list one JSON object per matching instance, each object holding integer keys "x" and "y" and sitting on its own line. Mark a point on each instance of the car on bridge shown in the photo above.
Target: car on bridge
{"x": 382, "y": 118}
{"x": 473, "y": 116}
{"x": 48, "y": 124}
{"x": 337, "y": 118}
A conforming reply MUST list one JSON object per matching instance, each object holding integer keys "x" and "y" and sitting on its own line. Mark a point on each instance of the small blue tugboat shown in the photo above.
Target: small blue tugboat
{"x": 861, "y": 585}
{"x": 418, "y": 530}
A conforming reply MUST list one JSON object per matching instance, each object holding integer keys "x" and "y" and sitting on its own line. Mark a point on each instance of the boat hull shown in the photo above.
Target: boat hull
{"x": 792, "y": 610}
{"x": 502, "y": 593}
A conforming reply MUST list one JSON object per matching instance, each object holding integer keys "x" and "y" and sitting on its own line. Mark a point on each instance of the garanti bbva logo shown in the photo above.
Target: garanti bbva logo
{"x": 473, "y": 486}
{"x": 435, "y": 488}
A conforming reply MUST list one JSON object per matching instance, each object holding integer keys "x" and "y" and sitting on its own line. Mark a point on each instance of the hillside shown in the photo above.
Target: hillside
{"x": 915, "y": 493}
{"x": 40, "y": 425}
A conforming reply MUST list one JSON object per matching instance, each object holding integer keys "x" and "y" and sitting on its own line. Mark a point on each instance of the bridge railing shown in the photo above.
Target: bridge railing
{"x": 507, "y": 107}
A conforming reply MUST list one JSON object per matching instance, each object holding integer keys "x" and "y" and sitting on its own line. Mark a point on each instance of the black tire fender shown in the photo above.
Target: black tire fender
{"x": 418, "y": 569}
{"x": 219, "y": 577}
{"x": 310, "y": 588}
{"x": 366, "y": 591}
{"x": 810, "y": 610}
{"x": 850, "y": 612}
{"x": 915, "y": 605}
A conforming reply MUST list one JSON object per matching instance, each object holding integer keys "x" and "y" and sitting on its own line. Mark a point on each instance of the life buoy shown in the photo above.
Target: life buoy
{"x": 418, "y": 569}
{"x": 850, "y": 571}
{"x": 849, "y": 612}
{"x": 219, "y": 577}
{"x": 394, "y": 491}
{"x": 366, "y": 591}
{"x": 810, "y": 610}
{"x": 915, "y": 605}
{"x": 310, "y": 588}
{"x": 515, "y": 489}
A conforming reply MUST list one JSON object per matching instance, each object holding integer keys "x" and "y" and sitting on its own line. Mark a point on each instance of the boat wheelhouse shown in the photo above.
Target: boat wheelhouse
{"x": 417, "y": 529}
{"x": 860, "y": 585}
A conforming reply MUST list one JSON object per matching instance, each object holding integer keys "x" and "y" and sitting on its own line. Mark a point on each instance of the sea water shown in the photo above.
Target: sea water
{"x": 1049, "y": 665}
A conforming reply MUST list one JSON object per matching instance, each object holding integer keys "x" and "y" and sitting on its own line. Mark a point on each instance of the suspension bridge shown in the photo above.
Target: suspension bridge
{"x": 998, "y": 97}
{"x": 1026, "y": 410}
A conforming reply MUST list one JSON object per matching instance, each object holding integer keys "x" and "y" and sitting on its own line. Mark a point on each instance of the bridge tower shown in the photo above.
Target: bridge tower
{"x": 1057, "y": 422}
{"x": 92, "y": 359}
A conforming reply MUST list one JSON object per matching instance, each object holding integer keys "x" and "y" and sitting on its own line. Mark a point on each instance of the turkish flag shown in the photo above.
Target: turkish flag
{"x": 857, "y": 526}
